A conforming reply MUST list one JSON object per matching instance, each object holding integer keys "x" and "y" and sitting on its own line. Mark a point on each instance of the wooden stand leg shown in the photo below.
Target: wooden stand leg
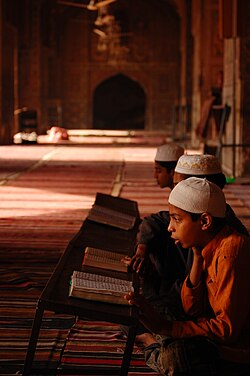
{"x": 128, "y": 351}
{"x": 33, "y": 341}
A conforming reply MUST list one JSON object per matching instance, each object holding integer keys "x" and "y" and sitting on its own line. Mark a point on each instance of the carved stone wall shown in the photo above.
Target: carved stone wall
{"x": 59, "y": 65}
{"x": 53, "y": 62}
{"x": 151, "y": 58}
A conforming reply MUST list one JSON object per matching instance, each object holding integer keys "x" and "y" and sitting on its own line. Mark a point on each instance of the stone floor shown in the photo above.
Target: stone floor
{"x": 134, "y": 171}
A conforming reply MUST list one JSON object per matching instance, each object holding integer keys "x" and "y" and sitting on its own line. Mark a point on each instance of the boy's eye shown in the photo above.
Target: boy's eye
{"x": 176, "y": 219}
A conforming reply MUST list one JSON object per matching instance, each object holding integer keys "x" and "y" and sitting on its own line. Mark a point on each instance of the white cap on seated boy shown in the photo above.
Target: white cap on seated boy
{"x": 166, "y": 158}
{"x": 197, "y": 195}
{"x": 170, "y": 152}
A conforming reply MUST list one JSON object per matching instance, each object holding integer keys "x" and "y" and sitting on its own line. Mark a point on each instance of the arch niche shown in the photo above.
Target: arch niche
{"x": 119, "y": 103}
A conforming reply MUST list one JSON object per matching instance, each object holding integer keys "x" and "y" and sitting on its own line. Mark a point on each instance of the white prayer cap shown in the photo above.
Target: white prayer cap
{"x": 198, "y": 164}
{"x": 196, "y": 195}
{"x": 170, "y": 152}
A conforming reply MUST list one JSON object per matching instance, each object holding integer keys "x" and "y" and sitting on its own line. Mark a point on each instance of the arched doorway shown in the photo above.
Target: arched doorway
{"x": 119, "y": 103}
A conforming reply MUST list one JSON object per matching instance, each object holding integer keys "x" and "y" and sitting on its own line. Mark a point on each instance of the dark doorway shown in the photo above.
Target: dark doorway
{"x": 119, "y": 103}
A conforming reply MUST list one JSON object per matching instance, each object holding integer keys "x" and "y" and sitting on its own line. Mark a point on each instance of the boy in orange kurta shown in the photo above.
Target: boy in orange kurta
{"x": 215, "y": 294}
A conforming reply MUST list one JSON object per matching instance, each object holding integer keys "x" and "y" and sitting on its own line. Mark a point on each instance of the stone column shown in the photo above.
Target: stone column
{"x": 30, "y": 74}
{"x": 236, "y": 91}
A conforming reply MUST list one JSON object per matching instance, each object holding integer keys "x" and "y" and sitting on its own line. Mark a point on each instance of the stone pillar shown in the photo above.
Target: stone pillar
{"x": 236, "y": 92}
{"x": 8, "y": 78}
{"x": 76, "y": 73}
{"x": 244, "y": 134}
{"x": 30, "y": 75}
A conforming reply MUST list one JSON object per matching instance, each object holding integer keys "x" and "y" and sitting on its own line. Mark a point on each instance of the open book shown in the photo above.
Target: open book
{"x": 107, "y": 216}
{"x": 101, "y": 258}
{"x": 101, "y": 288}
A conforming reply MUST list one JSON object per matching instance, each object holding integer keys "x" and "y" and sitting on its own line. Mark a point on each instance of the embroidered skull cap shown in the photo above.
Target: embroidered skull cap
{"x": 198, "y": 164}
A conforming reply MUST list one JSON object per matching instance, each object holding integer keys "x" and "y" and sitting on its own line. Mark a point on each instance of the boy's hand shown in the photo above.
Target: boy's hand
{"x": 197, "y": 251}
{"x": 137, "y": 262}
{"x": 148, "y": 316}
{"x": 126, "y": 260}
{"x": 197, "y": 267}
{"x": 136, "y": 299}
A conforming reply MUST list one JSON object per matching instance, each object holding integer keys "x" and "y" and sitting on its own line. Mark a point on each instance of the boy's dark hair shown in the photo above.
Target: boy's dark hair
{"x": 169, "y": 166}
{"x": 217, "y": 222}
{"x": 218, "y": 179}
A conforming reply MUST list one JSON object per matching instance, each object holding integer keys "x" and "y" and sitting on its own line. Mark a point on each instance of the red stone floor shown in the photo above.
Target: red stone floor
{"x": 54, "y": 186}
{"x": 53, "y": 179}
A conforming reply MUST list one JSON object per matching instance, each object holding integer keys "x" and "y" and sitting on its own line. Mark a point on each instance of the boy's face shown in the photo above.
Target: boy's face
{"x": 163, "y": 178}
{"x": 184, "y": 230}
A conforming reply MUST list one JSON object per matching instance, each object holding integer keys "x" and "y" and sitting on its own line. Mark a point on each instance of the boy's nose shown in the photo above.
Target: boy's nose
{"x": 170, "y": 227}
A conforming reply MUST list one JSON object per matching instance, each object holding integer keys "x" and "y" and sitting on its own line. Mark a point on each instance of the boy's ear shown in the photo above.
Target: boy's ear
{"x": 206, "y": 221}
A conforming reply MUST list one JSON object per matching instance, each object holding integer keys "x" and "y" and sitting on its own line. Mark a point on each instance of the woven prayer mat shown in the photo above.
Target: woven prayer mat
{"x": 100, "y": 345}
{"x": 19, "y": 290}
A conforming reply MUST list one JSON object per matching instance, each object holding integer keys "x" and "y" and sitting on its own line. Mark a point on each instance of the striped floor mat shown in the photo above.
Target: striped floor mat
{"x": 100, "y": 345}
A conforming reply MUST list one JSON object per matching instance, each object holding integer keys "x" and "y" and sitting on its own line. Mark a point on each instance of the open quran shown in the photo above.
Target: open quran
{"x": 104, "y": 259}
{"x": 112, "y": 217}
{"x": 100, "y": 288}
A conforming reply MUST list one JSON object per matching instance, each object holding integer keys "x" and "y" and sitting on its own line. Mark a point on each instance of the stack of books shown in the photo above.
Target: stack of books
{"x": 95, "y": 280}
